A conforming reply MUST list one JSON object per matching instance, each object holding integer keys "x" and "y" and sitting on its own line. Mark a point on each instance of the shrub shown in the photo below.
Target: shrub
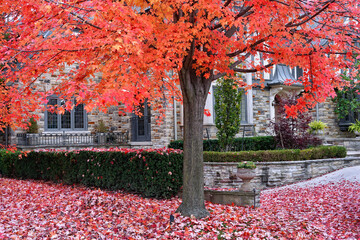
{"x": 247, "y": 165}
{"x": 178, "y": 144}
{"x": 277, "y": 155}
{"x": 355, "y": 127}
{"x": 291, "y": 133}
{"x": 227, "y": 111}
{"x": 101, "y": 127}
{"x": 151, "y": 173}
{"x": 239, "y": 144}
{"x": 33, "y": 126}
{"x": 316, "y": 126}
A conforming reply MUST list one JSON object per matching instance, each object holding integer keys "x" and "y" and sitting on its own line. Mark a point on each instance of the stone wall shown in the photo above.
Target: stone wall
{"x": 273, "y": 174}
{"x": 261, "y": 111}
{"x": 162, "y": 130}
{"x": 327, "y": 115}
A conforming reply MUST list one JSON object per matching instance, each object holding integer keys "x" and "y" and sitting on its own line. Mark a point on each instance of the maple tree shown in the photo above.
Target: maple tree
{"x": 134, "y": 44}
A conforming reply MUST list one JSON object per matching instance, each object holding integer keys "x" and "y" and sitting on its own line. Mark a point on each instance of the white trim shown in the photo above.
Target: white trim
{"x": 249, "y": 99}
{"x": 280, "y": 90}
{"x": 65, "y": 131}
{"x": 140, "y": 143}
{"x": 273, "y": 92}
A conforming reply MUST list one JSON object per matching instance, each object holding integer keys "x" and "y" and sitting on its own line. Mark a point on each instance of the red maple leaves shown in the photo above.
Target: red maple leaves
{"x": 133, "y": 46}
{"x": 45, "y": 210}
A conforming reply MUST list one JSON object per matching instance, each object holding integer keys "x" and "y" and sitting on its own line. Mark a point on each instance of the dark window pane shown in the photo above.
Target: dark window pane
{"x": 141, "y": 126}
{"x": 52, "y": 117}
{"x": 66, "y": 120}
{"x": 52, "y": 120}
{"x": 299, "y": 72}
{"x": 79, "y": 116}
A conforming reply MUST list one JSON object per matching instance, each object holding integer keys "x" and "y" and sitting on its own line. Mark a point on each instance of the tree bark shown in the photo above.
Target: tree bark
{"x": 194, "y": 90}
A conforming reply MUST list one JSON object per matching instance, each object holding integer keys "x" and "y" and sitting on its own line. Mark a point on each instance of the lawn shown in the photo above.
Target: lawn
{"x": 38, "y": 210}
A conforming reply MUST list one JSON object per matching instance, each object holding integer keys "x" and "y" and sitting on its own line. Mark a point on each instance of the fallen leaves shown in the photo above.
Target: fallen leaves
{"x": 33, "y": 210}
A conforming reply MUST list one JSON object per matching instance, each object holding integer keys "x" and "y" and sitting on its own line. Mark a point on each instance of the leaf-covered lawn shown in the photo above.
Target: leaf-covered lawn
{"x": 37, "y": 210}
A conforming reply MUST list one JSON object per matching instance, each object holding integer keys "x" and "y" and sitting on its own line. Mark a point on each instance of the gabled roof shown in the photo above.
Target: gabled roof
{"x": 282, "y": 73}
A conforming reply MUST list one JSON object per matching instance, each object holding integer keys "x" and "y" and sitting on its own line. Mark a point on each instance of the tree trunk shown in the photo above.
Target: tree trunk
{"x": 194, "y": 90}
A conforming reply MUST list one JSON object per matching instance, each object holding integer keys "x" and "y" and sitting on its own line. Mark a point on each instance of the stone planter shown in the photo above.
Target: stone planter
{"x": 238, "y": 198}
{"x": 319, "y": 132}
{"x": 246, "y": 175}
{"x": 357, "y": 134}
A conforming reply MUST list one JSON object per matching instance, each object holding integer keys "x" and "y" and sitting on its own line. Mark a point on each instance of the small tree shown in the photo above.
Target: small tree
{"x": 227, "y": 112}
{"x": 293, "y": 132}
{"x": 33, "y": 126}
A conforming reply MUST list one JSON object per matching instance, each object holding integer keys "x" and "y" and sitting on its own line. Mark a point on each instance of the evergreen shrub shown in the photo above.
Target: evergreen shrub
{"x": 322, "y": 152}
{"x": 239, "y": 144}
{"x": 151, "y": 173}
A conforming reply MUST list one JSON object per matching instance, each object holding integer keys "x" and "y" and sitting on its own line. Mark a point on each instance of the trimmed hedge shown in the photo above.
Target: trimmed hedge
{"x": 151, "y": 173}
{"x": 246, "y": 144}
{"x": 322, "y": 152}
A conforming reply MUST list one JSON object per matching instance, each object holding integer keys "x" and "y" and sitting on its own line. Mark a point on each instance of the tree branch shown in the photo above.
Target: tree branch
{"x": 290, "y": 24}
{"x": 254, "y": 70}
{"x": 251, "y": 46}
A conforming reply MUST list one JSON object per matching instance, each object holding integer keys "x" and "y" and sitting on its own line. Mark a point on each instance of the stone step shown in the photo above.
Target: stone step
{"x": 351, "y": 144}
{"x": 353, "y": 154}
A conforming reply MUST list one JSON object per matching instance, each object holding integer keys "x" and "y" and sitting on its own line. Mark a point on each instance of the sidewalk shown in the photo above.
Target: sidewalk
{"x": 351, "y": 174}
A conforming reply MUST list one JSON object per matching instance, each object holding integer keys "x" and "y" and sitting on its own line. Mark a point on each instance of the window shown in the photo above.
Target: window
{"x": 244, "y": 110}
{"x": 141, "y": 126}
{"x": 297, "y": 72}
{"x": 76, "y": 119}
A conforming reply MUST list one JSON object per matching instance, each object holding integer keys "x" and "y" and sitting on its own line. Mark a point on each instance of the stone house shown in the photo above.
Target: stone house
{"x": 79, "y": 129}
{"x": 259, "y": 106}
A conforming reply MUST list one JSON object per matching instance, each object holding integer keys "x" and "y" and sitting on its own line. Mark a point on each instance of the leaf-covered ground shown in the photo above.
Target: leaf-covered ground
{"x": 38, "y": 210}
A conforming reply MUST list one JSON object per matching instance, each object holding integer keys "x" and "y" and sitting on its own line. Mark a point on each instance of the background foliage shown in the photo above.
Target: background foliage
{"x": 239, "y": 144}
{"x": 227, "y": 111}
{"x": 293, "y": 132}
{"x": 347, "y": 100}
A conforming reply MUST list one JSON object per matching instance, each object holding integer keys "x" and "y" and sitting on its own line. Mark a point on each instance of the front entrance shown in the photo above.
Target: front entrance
{"x": 141, "y": 125}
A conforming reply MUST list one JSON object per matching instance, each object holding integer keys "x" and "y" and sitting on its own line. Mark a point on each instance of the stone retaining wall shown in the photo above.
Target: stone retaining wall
{"x": 273, "y": 174}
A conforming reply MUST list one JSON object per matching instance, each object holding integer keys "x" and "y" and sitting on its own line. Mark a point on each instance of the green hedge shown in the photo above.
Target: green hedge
{"x": 277, "y": 155}
{"x": 246, "y": 144}
{"x": 152, "y": 173}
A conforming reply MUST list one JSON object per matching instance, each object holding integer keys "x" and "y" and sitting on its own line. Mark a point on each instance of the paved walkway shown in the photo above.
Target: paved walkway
{"x": 350, "y": 174}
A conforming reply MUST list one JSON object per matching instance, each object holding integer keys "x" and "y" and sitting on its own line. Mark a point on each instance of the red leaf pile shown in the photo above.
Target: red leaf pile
{"x": 38, "y": 210}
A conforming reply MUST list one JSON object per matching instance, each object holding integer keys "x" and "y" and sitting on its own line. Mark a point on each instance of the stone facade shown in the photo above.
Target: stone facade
{"x": 273, "y": 174}
{"x": 327, "y": 115}
{"x": 260, "y": 113}
{"x": 161, "y": 131}
{"x": 261, "y": 106}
